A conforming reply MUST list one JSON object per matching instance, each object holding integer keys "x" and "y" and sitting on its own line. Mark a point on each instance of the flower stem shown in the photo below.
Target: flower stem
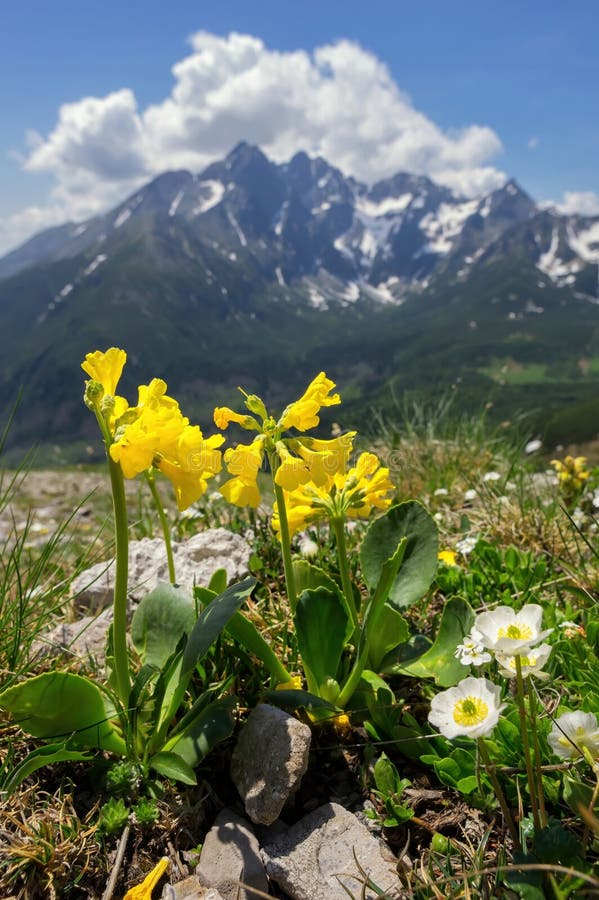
{"x": 285, "y": 543}
{"x": 530, "y": 775}
{"x": 348, "y": 591}
{"x": 491, "y": 771}
{"x": 121, "y": 530}
{"x": 591, "y": 809}
{"x": 532, "y": 708}
{"x": 166, "y": 534}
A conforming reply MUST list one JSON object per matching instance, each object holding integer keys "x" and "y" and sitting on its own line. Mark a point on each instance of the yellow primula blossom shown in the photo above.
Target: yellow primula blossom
{"x": 295, "y": 460}
{"x": 154, "y": 433}
{"x": 448, "y": 557}
{"x": 353, "y": 494}
{"x": 572, "y": 472}
{"x": 303, "y": 414}
{"x": 144, "y": 890}
{"x": 105, "y": 368}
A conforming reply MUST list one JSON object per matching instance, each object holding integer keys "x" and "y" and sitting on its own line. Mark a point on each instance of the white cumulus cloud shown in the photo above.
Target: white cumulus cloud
{"x": 583, "y": 203}
{"x": 340, "y": 102}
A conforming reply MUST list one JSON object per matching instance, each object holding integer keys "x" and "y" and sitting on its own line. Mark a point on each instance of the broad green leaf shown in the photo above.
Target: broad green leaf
{"x": 391, "y": 630}
{"x": 171, "y": 765}
{"x": 214, "y": 724}
{"x": 212, "y": 620}
{"x": 308, "y": 577}
{"x": 161, "y": 619}
{"x": 323, "y": 628}
{"x": 439, "y": 661}
{"x": 406, "y": 520}
{"x": 64, "y": 705}
{"x": 42, "y": 756}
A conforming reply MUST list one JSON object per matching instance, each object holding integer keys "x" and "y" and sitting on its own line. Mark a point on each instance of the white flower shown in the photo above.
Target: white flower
{"x": 470, "y": 709}
{"x": 470, "y": 495}
{"x": 441, "y": 492}
{"x": 531, "y": 664}
{"x": 467, "y": 544}
{"x": 596, "y": 499}
{"x": 491, "y": 476}
{"x": 533, "y": 446}
{"x": 307, "y": 547}
{"x": 471, "y": 652}
{"x": 572, "y": 732}
{"x": 506, "y": 631}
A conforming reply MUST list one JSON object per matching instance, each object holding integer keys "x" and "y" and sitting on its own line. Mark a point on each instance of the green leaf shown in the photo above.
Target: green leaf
{"x": 214, "y": 724}
{"x": 64, "y": 705}
{"x": 218, "y": 582}
{"x": 577, "y": 794}
{"x": 308, "y": 577}
{"x": 161, "y": 619}
{"x": 42, "y": 756}
{"x": 407, "y": 520}
{"x": 439, "y": 661}
{"x": 173, "y": 766}
{"x": 212, "y": 621}
{"x": 386, "y": 777}
{"x": 323, "y": 628}
{"x": 391, "y": 631}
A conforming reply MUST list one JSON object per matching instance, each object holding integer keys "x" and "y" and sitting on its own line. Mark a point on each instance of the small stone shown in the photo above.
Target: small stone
{"x": 189, "y": 889}
{"x": 196, "y": 560}
{"x": 320, "y": 858}
{"x": 84, "y": 640}
{"x": 269, "y": 761}
{"x": 230, "y": 860}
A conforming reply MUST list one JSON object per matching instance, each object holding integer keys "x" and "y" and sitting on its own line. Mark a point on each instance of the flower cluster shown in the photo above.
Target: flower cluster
{"x": 512, "y": 637}
{"x": 294, "y": 460}
{"x": 346, "y": 494}
{"x": 572, "y": 473}
{"x": 154, "y": 433}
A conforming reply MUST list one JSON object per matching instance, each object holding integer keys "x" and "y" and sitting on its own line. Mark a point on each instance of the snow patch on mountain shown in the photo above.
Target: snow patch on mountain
{"x": 175, "y": 204}
{"x": 122, "y": 217}
{"x": 214, "y": 192}
{"x": 586, "y": 243}
{"x": 444, "y": 226}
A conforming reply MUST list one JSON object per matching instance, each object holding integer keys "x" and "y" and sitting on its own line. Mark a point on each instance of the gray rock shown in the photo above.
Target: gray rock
{"x": 269, "y": 761}
{"x": 190, "y": 889}
{"x": 230, "y": 860}
{"x": 84, "y": 639}
{"x": 320, "y": 858}
{"x": 196, "y": 560}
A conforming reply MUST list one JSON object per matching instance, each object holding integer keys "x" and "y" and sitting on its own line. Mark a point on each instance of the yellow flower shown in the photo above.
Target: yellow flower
{"x": 144, "y": 890}
{"x": 448, "y": 557}
{"x": 244, "y": 461}
{"x": 572, "y": 472}
{"x": 105, "y": 368}
{"x": 303, "y": 414}
{"x": 294, "y": 461}
{"x": 325, "y": 458}
{"x": 352, "y": 494}
{"x": 153, "y": 433}
{"x": 223, "y": 416}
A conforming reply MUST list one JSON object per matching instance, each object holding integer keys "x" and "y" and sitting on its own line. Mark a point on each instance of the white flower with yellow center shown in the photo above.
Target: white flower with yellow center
{"x": 572, "y": 733}
{"x": 503, "y": 630}
{"x": 531, "y": 664}
{"x": 471, "y": 651}
{"x": 470, "y": 709}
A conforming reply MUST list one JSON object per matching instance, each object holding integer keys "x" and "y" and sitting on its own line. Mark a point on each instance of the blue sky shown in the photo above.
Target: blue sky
{"x": 467, "y": 92}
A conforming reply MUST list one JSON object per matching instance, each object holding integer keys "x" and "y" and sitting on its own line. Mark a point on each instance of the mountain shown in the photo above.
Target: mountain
{"x": 261, "y": 274}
